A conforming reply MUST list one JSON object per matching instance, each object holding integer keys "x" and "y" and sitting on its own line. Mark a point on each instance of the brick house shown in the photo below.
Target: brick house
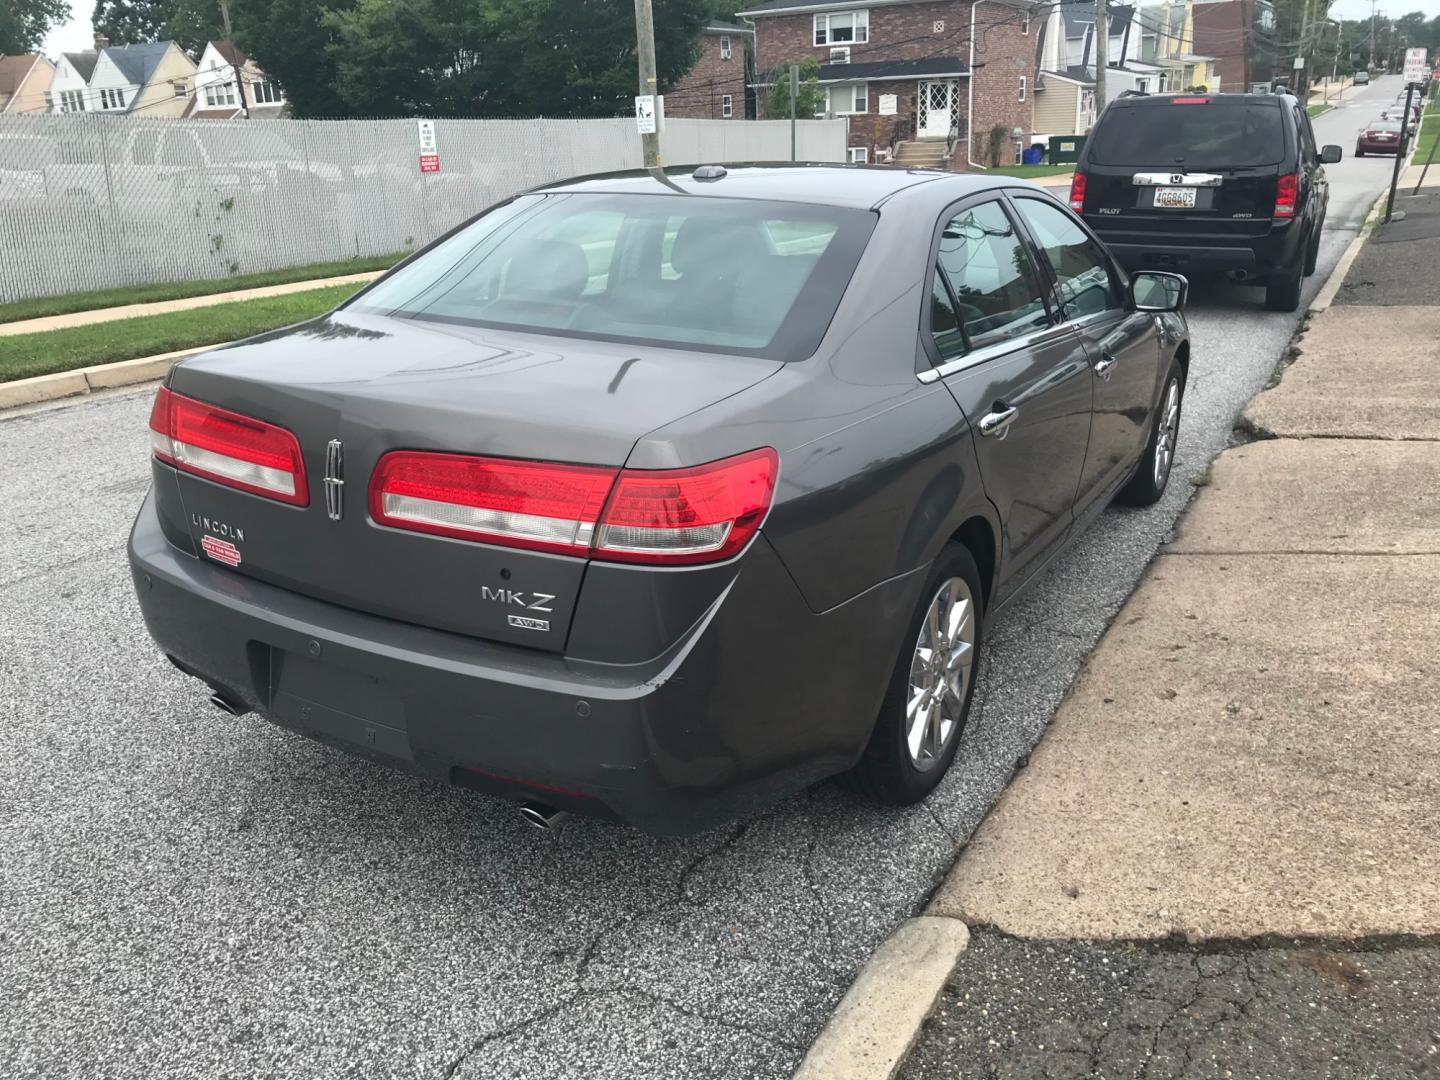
{"x": 1225, "y": 29}
{"x": 919, "y": 83}
{"x": 717, "y": 87}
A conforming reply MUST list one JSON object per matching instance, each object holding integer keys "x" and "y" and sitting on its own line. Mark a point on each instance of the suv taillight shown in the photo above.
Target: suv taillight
{"x": 228, "y": 448}
{"x": 1077, "y": 192}
{"x": 669, "y": 516}
{"x": 1287, "y": 195}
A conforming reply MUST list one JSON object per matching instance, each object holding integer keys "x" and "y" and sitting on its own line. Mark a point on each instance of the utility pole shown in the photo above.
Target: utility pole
{"x": 1302, "y": 82}
{"x": 1102, "y": 61}
{"x": 794, "y": 93}
{"x": 645, "y": 50}
{"x": 1374, "y": 13}
{"x": 239, "y": 72}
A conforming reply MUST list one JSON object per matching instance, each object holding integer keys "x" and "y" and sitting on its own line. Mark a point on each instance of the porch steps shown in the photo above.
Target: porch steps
{"x": 921, "y": 154}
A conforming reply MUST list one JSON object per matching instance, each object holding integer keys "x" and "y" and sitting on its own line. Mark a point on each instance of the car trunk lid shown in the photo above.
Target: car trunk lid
{"x": 352, "y": 387}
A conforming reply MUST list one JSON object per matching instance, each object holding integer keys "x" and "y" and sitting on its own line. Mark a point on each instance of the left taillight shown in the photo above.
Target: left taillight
{"x": 227, "y": 447}
{"x": 665, "y": 517}
{"x": 1287, "y": 195}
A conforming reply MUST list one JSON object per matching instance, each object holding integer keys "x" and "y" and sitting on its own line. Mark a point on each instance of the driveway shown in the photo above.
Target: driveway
{"x": 183, "y": 894}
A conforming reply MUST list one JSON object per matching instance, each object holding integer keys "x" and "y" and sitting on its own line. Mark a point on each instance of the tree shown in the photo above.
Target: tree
{"x": 291, "y": 41}
{"x": 24, "y": 23}
{"x": 189, "y": 23}
{"x": 809, "y": 101}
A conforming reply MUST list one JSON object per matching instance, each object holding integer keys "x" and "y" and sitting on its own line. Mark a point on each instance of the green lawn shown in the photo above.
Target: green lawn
{"x": 24, "y": 355}
{"x": 1031, "y": 171}
{"x": 1316, "y": 110}
{"x": 178, "y": 290}
{"x": 1429, "y": 131}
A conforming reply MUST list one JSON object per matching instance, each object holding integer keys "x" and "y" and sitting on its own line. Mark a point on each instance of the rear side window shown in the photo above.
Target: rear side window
{"x": 997, "y": 292}
{"x": 1212, "y": 135}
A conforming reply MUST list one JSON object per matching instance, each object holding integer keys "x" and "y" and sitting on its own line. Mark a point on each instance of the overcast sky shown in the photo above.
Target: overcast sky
{"x": 77, "y": 34}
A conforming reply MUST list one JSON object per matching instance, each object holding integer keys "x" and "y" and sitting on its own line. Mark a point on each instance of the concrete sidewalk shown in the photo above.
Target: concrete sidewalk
{"x": 1222, "y": 860}
{"x": 161, "y": 307}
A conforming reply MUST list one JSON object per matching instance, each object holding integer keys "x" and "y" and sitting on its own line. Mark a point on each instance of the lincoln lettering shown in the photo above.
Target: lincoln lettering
{"x": 534, "y": 601}
{"x": 217, "y": 528}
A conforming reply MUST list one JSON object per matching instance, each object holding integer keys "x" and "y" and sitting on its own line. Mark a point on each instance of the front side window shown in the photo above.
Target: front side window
{"x": 727, "y": 106}
{"x": 1082, "y": 273}
{"x": 996, "y": 289}
{"x": 736, "y": 276}
{"x": 848, "y": 98}
{"x": 842, "y": 27}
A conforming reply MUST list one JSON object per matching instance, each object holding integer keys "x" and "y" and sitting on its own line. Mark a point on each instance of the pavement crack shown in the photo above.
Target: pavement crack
{"x": 807, "y": 871}
{"x": 683, "y": 885}
{"x": 696, "y": 1014}
{"x": 457, "y": 1063}
{"x": 949, "y": 832}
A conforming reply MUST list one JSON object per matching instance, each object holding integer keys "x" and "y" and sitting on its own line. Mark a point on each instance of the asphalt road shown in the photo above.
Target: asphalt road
{"x": 1027, "y": 1010}
{"x": 183, "y": 894}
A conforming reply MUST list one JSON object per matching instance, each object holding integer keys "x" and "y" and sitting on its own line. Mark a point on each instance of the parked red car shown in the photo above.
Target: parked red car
{"x": 1378, "y": 137}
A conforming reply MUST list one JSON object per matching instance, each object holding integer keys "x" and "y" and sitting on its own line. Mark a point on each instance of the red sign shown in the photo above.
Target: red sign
{"x": 429, "y": 163}
{"x": 221, "y": 550}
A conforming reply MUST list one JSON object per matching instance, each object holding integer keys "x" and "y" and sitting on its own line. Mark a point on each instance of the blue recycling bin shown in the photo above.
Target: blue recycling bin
{"x": 1032, "y": 155}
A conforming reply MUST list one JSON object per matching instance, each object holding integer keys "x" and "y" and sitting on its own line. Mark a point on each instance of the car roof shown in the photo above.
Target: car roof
{"x": 1143, "y": 101}
{"x": 859, "y": 186}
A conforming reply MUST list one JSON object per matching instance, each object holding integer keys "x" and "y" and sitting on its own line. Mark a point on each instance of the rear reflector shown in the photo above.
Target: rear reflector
{"x": 228, "y": 448}
{"x": 1077, "y": 192}
{"x": 1287, "y": 195}
{"x": 670, "y": 516}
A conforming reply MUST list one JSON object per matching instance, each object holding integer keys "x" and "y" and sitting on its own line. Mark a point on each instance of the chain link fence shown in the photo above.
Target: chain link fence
{"x": 93, "y": 202}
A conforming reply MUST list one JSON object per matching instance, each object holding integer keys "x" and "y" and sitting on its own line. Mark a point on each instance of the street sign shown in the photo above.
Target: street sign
{"x": 1415, "y": 66}
{"x": 645, "y": 114}
{"x": 1299, "y": 63}
{"x": 889, "y": 104}
{"x": 429, "y": 152}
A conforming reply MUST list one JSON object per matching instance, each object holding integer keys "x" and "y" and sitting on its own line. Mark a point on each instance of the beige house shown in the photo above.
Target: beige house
{"x": 152, "y": 79}
{"x": 24, "y": 80}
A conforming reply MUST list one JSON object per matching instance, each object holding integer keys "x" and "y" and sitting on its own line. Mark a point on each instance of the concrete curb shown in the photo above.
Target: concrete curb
{"x": 879, "y": 1018}
{"x": 1326, "y": 296}
{"x": 65, "y": 384}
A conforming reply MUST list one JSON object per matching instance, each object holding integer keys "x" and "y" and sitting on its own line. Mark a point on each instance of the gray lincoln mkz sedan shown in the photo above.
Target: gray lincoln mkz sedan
{"x": 659, "y": 498}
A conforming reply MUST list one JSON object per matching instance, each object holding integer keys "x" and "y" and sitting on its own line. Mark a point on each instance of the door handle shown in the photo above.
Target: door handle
{"x": 998, "y": 422}
{"x": 1105, "y": 366}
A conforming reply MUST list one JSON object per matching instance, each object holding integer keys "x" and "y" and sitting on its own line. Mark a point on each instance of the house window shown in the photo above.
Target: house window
{"x": 1025, "y": 22}
{"x": 218, "y": 94}
{"x": 265, "y": 92}
{"x": 1022, "y": 87}
{"x": 857, "y": 155}
{"x": 112, "y": 99}
{"x": 72, "y": 101}
{"x": 840, "y": 27}
{"x": 847, "y": 98}
{"x": 724, "y": 46}
{"x": 727, "y": 106}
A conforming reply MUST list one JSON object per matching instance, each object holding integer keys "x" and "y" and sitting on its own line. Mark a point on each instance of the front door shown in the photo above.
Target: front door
{"x": 1124, "y": 345}
{"x": 937, "y": 109}
{"x": 1023, "y": 382}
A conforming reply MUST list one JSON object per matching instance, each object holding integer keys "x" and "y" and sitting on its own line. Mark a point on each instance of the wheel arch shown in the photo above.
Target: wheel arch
{"x": 977, "y": 534}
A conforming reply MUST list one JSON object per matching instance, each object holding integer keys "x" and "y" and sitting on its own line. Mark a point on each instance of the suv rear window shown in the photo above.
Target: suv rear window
{"x": 1217, "y": 134}
{"x": 724, "y": 275}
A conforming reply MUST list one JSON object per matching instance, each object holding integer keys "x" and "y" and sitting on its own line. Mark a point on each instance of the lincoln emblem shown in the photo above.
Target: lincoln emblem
{"x": 335, "y": 479}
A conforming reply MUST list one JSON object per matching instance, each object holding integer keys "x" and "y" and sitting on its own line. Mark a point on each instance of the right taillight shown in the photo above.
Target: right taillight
{"x": 1077, "y": 192}
{"x": 657, "y": 516}
{"x": 1287, "y": 195}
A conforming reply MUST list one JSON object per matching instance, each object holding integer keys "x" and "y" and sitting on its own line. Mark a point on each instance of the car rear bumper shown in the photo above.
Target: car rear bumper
{"x": 1188, "y": 253}
{"x": 759, "y": 698}
{"x": 1377, "y": 147}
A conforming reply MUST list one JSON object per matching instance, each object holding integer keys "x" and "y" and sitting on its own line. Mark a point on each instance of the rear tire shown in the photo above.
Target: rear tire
{"x": 1283, "y": 293}
{"x": 1312, "y": 249}
{"x": 1153, "y": 472}
{"x": 918, "y": 732}
{"x": 1359, "y": 152}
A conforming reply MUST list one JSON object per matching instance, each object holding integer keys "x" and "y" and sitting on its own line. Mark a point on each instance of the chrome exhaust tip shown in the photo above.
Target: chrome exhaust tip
{"x": 542, "y": 816}
{"x": 228, "y": 705}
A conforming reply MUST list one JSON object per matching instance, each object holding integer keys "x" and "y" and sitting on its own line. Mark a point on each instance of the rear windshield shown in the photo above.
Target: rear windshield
{"x": 724, "y": 275}
{"x": 1384, "y": 125}
{"x": 1217, "y": 134}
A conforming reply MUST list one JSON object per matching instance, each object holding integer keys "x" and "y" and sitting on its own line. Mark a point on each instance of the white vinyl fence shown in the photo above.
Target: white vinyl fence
{"x": 91, "y": 202}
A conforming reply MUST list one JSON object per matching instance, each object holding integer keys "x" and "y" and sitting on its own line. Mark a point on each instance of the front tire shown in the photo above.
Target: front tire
{"x": 1153, "y": 472}
{"x": 928, "y": 700}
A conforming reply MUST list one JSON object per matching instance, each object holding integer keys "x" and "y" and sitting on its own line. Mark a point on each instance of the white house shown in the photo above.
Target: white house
{"x": 70, "y": 89}
{"x": 1068, "y": 52}
{"x": 152, "y": 79}
{"x": 223, "y": 66}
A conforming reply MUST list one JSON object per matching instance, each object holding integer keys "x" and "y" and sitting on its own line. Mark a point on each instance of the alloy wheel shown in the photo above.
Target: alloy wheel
{"x": 940, "y": 673}
{"x": 1165, "y": 437}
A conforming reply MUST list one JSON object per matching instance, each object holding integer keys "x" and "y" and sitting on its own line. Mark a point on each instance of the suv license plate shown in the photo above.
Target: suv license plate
{"x": 1175, "y": 197}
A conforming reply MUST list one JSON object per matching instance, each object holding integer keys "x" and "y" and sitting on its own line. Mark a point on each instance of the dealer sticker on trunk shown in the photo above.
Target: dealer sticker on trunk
{"x": 221, "y": 551}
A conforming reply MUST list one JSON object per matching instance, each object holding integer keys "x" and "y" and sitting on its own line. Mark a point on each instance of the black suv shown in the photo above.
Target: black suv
{"x": 1215, "y": 182}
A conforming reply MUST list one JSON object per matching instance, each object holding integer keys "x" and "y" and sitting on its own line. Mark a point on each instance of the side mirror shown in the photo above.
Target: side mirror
{"x": 1152, "y": 290}
{"x": 1329, "y": 155}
